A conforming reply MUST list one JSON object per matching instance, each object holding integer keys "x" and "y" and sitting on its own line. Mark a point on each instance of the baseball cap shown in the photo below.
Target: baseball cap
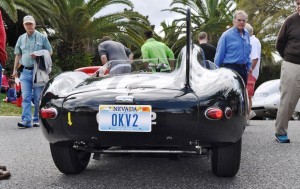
{"x": 28, "y": 19}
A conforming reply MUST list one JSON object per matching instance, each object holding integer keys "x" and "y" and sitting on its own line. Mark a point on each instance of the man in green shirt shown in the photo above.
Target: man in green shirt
{"x": 157, "y": 52}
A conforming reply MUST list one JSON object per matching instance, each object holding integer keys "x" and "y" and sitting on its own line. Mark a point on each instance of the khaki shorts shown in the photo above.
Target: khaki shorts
{"x": 250, "y": 85}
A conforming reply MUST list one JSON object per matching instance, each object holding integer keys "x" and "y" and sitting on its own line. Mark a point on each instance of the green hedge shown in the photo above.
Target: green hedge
{"x": 9, "y": 65}
{"x": 74, "y": 61}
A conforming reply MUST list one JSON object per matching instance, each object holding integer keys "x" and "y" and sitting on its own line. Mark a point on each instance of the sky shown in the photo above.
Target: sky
{"x": 152, "y": 8}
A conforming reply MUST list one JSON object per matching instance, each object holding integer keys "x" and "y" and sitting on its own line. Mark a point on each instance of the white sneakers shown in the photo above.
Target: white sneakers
{"x": 252, "y": 114}
{"x": 36, "y": 124}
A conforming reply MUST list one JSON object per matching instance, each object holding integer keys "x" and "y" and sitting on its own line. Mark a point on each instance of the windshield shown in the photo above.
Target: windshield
{"x": 157, "y": 65}
{"x": 120, "y": 67}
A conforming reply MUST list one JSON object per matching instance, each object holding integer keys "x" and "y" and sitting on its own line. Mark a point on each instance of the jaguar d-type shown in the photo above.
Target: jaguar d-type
{"x": 190, "y": 109}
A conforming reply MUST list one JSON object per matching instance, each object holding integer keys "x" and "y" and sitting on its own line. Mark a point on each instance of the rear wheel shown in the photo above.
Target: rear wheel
{"x": 225, "y": 160}
{"x": 69, "y": 160}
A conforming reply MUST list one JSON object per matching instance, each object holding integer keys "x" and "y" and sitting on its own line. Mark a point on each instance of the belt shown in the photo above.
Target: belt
{"x": 233, "y": 65}
{"x": 28, "y": 68}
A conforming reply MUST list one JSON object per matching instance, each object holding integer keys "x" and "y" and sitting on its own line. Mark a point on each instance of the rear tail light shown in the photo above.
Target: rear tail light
{"x": 214, "y": 113}
{"x": 48, "y": 113}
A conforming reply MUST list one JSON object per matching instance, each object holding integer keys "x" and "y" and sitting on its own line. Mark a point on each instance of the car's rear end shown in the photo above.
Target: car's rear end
{"x": 144, "y": 115}
{"x": 122, "y": 111}
{"x": 190, "y": 110}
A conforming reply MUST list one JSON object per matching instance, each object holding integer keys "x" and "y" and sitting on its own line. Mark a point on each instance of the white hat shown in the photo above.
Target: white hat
{"x": 28, "y": 19}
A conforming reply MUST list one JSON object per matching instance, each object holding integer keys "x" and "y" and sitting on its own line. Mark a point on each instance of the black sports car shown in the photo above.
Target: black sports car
{"x": 190, "y": 110}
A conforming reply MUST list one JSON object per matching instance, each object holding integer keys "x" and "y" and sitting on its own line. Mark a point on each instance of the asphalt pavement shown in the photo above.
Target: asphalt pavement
{"x": 264, "y": 164}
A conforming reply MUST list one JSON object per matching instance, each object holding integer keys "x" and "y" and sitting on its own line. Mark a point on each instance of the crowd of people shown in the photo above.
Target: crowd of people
{"x": 237, "y": 49}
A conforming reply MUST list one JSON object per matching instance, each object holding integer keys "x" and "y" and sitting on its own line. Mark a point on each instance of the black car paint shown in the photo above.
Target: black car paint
{"x": 179, "y": 101}
{"x": 180, "y": 110}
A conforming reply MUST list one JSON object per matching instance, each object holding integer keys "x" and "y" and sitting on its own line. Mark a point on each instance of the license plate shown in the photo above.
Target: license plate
{"x": 125, "y": 118}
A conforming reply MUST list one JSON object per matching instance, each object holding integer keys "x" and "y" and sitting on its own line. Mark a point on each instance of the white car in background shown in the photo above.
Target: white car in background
{"x": 266, "y": 100}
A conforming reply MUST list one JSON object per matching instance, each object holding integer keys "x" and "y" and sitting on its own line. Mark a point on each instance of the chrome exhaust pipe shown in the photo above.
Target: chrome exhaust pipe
{"x": 197, "y": 151}
{"x": 108, "y": 151}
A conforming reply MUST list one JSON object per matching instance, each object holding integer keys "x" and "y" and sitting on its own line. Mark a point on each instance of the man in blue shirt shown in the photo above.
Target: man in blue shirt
{"x": 233, "y": 50}
{"x": 27, "y": 43}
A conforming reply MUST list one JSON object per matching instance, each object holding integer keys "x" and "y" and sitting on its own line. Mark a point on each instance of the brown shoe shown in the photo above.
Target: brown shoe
{"x": 4, "y": 175}
{"x": 3, "y": 168}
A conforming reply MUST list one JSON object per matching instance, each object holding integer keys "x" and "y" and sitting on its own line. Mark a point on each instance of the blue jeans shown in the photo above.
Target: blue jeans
{"x": 27, "y": 91}
{"x": 240, "y": 69}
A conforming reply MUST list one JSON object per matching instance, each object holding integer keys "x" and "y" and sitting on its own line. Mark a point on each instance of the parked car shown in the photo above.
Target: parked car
{"x": 266, "y": 101}
{"x": 191, "y": 110}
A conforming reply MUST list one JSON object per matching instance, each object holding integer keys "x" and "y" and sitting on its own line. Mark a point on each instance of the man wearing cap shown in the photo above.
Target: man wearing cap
{"x": 30, "y": 41}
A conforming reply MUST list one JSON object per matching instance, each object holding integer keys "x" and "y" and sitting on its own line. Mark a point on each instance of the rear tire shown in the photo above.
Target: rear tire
{"x": 69, "y": 160}
{"x": 225, "y": 160}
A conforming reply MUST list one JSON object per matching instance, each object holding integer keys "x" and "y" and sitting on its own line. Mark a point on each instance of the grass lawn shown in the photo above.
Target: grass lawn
{"x": 8, "y": 109}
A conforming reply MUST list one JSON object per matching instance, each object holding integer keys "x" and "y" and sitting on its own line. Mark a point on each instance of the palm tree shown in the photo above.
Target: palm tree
{"x": 173, "y": 36}
{"x": 15, "y": 10}
{"x": 132, "y": 31}
{"x": 76, "y": 24}
{"x": 9, "y": 8}
{"x": 211, "y": 16}
{"x": 40, "y": 9}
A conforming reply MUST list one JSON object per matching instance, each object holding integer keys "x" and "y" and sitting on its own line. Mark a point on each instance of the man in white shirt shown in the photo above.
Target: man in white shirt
{"x": 255, "y": 57}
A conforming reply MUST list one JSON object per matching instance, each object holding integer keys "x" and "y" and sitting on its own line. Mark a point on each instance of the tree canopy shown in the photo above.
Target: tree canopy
{"x": 76, "y": 26}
